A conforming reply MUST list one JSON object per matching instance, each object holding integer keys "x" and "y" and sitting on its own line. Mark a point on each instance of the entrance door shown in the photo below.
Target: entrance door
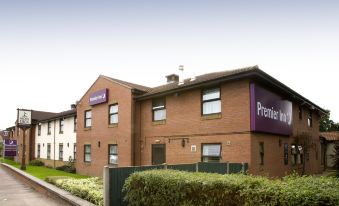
{"x": 158, "y": 154}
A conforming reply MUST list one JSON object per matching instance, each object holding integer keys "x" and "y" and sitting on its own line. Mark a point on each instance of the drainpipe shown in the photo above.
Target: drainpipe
{"x": 54, "y": 146}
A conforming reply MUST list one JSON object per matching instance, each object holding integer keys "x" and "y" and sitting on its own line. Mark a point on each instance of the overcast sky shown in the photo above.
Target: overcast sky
{"x": 52, "y": 51}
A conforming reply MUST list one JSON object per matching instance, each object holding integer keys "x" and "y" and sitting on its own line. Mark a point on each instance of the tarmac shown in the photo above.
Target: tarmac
{"x": 16, "y": 193}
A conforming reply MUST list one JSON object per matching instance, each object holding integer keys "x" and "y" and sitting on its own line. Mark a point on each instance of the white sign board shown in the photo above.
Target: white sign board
{"x": 24, "y": 117}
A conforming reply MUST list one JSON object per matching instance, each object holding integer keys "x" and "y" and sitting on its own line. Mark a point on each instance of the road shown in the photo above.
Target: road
{"x": 15, "y": 193}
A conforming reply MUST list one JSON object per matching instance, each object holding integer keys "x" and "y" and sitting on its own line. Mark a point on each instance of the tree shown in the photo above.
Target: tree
{"x": 328, "y": 125}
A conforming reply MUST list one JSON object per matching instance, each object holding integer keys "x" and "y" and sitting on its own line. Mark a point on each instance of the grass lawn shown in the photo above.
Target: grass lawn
{"x": 41, "y": 172}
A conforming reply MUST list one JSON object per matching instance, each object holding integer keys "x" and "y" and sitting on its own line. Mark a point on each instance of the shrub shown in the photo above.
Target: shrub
{"x": 90, "y": 189}
{"x": 159, "y": 187}
{"x": 69, "y": 167}
{"x": 36, "y": 162}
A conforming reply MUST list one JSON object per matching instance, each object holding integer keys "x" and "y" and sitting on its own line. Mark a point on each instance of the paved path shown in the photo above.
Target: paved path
{"x": 15, "y": 193}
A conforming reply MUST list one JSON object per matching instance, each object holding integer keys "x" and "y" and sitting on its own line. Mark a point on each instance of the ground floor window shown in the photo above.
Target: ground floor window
{"x": 49, "y": 151}
{"x": 112, "y": 154}
{"x": 211, "y": 152}
{"x": 297, "y": 154}
{"x": 61, "y": 151}
{"x": 74, "y": 151}
{"x": 38, "y": 153}
{"x": 261, "y": 152}
{"x": 87, "y": 153}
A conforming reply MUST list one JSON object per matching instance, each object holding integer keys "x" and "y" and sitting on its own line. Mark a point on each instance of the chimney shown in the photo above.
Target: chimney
{"x": 73, "y": 106}
{"x": 172, "y": 78}
{"x": 181, "y": 78}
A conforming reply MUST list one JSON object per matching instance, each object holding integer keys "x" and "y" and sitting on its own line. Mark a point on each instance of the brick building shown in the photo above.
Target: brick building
{"x": 242, "y": 115}
{"x": 16, "y": 133}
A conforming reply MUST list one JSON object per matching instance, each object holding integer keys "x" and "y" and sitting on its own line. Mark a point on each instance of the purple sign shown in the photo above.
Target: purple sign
{"x": 98, "y": 97}
{"x": 270, "y": 112}
{"x": 10, "y": 147}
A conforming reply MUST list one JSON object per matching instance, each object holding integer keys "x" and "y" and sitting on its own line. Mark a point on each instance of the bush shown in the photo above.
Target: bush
{"x": 159, "y": 187}
{"x": 90, "y": 189}
{"x": 36, "y": 162}
{"x": 69, "y": 167}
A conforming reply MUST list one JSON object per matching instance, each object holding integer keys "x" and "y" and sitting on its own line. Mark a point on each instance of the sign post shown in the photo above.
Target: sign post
{"x": 24, "y": 122}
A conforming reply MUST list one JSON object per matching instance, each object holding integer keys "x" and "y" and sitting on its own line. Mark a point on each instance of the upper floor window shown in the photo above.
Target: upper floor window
{"x": 75, "y": 123}
{"x": 61, "y": 125}
{"x": 39, "y": 129}
{"x": 159, "y": 109}
{"x": 113, "y": 114}
{"x": 300, "y": 112}
{"x": 88, "y": 118}
{"x": 309, "y": 119}
{"x": 49, "y": 127}
{"x": 211, "y": 101}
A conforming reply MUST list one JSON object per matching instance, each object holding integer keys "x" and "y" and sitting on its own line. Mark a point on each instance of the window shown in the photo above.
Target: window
{"x": 49, "y": 127}
{"x": 113, "y": 114}
{"x": 211, "y": 102}
{"x": 211, "y": 152}
{"x": 61, "y": 126}
{"x": 159, "y": 109}
{"x": 74, "y": 151}
{"x": 88, "y": 119}
{"x": 87, "y": 153}
{"x": 261, "y": 152}
{"x": 61, "y": 151}
{"x": 297, "y": 154}
{"x": 49, "y": 151}
{"x": 112, "y": 154}
{"x": 300, "y": 112}
{"x": 309, "y": 119}
{"x": 75, "y": 124}
{"x": 38, "y": 155}
{"x": 39, "y": 129}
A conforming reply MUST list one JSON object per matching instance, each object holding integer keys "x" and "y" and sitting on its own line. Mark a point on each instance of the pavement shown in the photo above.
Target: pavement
{"x": 16, "y": 193}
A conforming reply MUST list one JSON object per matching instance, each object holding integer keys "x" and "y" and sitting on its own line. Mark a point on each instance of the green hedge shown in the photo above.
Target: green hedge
{"x": 90, "y": 189}
{"x": 169, "y": 187}
{"x": 36, "y": 162}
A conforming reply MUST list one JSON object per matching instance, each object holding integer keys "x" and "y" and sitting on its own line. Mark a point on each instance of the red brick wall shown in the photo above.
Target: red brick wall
{"x": 184, "y": 120}
{"x": 101, "y": 131}
{"x": 274, "y": 152}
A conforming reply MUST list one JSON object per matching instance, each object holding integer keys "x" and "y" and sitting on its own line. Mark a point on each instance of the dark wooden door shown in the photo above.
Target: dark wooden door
{"x": 158, "y": 154}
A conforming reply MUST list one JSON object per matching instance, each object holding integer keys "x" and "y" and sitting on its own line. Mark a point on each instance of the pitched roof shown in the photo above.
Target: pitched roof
{"x": 330, "y": 136}
{"x": 129, "y": 84}
{"x": 59, "y": 115}
{"x": 39, "y": 115}
{"x": 198, "y": 80}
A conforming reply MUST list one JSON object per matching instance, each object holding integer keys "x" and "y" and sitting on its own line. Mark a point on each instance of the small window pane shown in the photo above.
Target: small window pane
{"x": 88, "y": 122}
{"x": 114, "y": 119}
{"x": 113, "y": 149}
{"x": 87, "y": 157}
{"x": 113, "y": 159}
{"x": 212, "y": 107}
{"x": 87, "y": 148}
{"x": 113, "y": 109}
{"x": 159, "y": 115}
{"x": 158, "y": 103}
{"x": 211, "y": 94}
{"x": 89, "y": 114}
{"x": 211, "y": 150}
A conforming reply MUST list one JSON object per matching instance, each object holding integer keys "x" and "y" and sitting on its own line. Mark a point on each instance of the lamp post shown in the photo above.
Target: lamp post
{"x": 24, "y": 121}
